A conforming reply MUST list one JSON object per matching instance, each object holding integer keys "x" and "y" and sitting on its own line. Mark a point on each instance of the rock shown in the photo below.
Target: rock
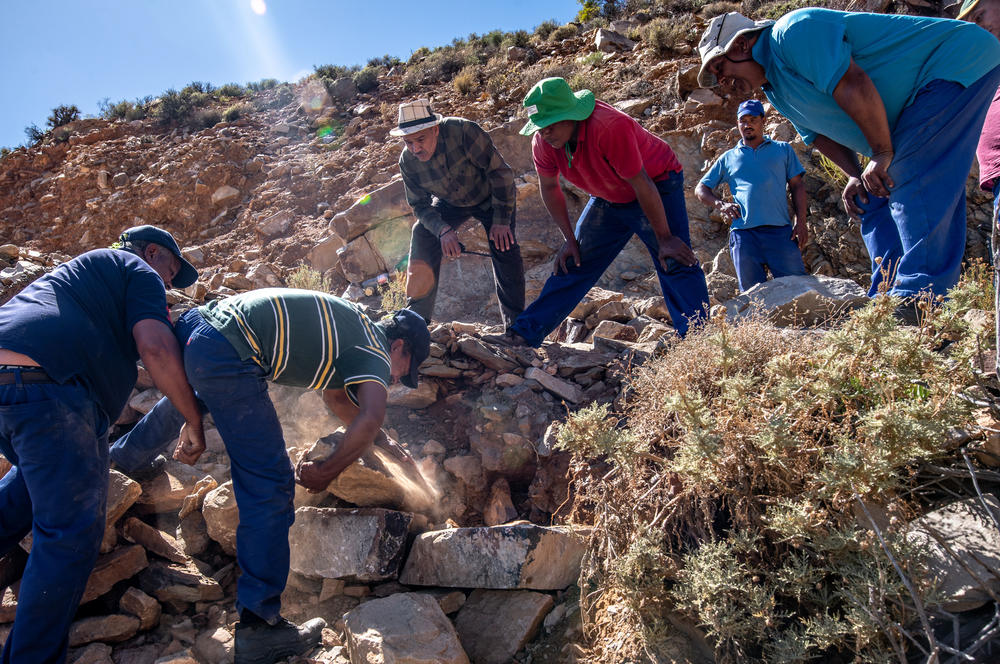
{"x": 405, "y": 628}
{"x": 468, "y": 468}
{"x": 617, "y": 311}
{"x": 356, "y": 544}
{"x": 276, "y": 224}
{"x": 595, "y": 299}
{"x": 194, "y": 500}
{"x": 145, "y": 400}
{"x": 634, "y": 107}
{"x": 119, "y": 180}
{"x": 705, "y": 97}
{"x": 122, "y": 494}
{"x": 359, "y": 260}
{"x": 224, "y": 194}
{"x": 95, "y": 653}
{"x": 323, "y": 255}
{"x": 222, "y": 516}
{"x": 968, "y": 531}
{"x": 508, "y": 453}
{"x": 494, "y": 625}
{"x": 180, "y": 657}
{"x": 377, "y": 207}
{"x": 120, "y": 564}
{"x": 489, "y": 356}
{"x": 610, "y": 41}
{"x": 109, "y": 629}
{"x": 142, "y": 606}
{"x": 166, "y": 492}
{"x": 154, "y": 541}
{"x": 516, "y": 54}
{"x": 499, "y": 557}
{"x": 721, "y": 287}
{"x": 500, "y": 508}
{"x": 558, "y": 386}
{"x": 609, "y": 329}
{"x": 169, "y": 582}
{"x": 799, "y": 300}
{"x": 425, "y": 394}
{"x": 192, "y": 533}
{"x": 450, "y": 602}
{"x": 216, "y": 646}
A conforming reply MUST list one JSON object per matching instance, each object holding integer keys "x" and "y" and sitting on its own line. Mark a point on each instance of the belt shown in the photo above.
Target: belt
{"x": 10, "y": 374}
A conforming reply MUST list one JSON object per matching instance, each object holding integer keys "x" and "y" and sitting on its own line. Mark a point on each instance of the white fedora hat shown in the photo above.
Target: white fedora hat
{"x": 415, "y": 116}
{"x": 720, "y": 34}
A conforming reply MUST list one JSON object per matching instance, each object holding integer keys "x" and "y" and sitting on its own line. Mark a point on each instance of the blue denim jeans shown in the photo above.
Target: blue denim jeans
{"x": 773, "y": 246}
{"x": 235, "y": 392}
{"x": 919, "y": 231}
{"x": 56, "y": 437}
{"x": 602, "y": 231}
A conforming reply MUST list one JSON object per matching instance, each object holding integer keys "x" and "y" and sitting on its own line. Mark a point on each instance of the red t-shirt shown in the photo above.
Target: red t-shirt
{"x": 988, "y": 151}
{"x": 611, "y": 147}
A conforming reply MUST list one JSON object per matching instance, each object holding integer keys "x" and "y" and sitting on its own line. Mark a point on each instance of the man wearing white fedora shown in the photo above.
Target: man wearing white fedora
{"x": 909, "y": 92}
{"x": 452, "y": 171}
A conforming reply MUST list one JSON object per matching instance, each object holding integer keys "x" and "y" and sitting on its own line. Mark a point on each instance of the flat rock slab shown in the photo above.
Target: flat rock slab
{"x": 122, "y": 563}
{"x": 406, "y": 628}
{"x": 798, "y": 300}
{"x": 358, "y": 544}
{"x": 169, "y": 582}
{"x": 557, "y": 386}
{"x": 494, "y": 624}
{"x": 166, "y": 492}
{"x": 521, "y": 555}
{"x": 967, "y": 530}
{"x": 107, "y": 629}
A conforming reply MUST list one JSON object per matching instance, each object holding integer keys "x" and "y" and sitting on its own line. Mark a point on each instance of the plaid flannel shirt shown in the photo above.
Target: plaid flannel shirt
{"x": 466, "y": 170}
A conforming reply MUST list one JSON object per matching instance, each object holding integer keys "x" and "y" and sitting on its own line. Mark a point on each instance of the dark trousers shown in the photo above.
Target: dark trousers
{"x": 603, "y": 231}
{"x": 424, "y": 267}
{"x": 771, "y": 246}
{"x": 57, "y": 439}
{"x": 235, "y": 392}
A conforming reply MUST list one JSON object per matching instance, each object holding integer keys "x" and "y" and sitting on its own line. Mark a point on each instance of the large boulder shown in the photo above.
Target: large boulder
{"x": 355, "y": 544}
{"x": 406, "y": 628}
{"x": 799, "y": 300}
{"x": 385, "y": 203}
{"x": 522, "y": 555}
{"x": 222, "y": 516}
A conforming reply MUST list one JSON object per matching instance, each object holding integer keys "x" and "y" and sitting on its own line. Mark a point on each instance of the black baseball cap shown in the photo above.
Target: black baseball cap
{"x": 187, "y": 275}
{"x": 414, "y": 329}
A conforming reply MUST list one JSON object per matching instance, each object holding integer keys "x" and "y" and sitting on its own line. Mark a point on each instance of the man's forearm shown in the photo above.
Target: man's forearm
{"x": 857, "y": 95}
{"x": 706, "y": 195}
{"x": 799, "y": 202}
{"x": 845, "y": 158}
{"x": 652, "y": 206}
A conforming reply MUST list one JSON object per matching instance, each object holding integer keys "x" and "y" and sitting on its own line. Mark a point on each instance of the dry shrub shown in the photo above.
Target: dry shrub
{"x": 664, "y": 36}
{"x": 466, "y": 81}
{"x": 503, "y": 83}
{"x": 731, "y": 496}
{"x": 308, "y": 278}
{"x": 567, "y": 31}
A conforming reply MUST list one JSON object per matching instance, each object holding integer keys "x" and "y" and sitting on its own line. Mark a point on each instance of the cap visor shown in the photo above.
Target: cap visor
{"x": 412, "y": 379}
{"x": 529, "y": 129}
{"x": 186, "y": 276}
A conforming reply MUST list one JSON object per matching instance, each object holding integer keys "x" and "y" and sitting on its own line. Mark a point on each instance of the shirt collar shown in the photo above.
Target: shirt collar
{"x": 767, "y": 139}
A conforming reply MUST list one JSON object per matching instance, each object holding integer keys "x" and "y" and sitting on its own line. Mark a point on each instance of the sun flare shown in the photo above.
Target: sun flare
{"x": 259, "y": 7}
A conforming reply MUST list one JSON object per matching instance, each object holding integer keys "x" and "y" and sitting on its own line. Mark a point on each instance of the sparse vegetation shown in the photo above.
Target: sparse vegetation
{"x": 544, "y": 29}
{"x": 124, "y": 109}
{"x": 394, "y": 293}
{"x": 237, "y": 111}
{"x": 733, "y": 493}
{"x": 564, "y": 32}
{"x": 231, "y": 90}
{"x": 664, "y": 36}
{"x": 466, "y": 81}
{"x": 63, "y": 115}
{"x": 307, "y": 278}
{"x": 366, "y": 79}
{"x": 263, "y": 84}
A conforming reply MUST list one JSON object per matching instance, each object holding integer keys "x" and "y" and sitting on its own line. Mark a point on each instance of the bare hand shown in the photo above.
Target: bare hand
{"x": 570, "y": 249}
{"x": 730, "y": 211}
{"x": 854, "y": 188}
{"x": 673, "y": 247}
{"x": 501, "y": 237}
{"x": 191, "y": 444}
{"x": 449, "y": 244}
{"x": 876, "y": 174}
{"x": 310, "y": 475}
{"x": 801, "y": 235}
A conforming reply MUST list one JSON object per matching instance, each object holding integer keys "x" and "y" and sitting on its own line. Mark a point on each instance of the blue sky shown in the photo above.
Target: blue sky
{"x": 81, "y": 51}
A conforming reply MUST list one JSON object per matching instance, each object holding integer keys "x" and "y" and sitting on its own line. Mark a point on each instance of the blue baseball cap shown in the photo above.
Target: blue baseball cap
{"x": 750, "y": 107}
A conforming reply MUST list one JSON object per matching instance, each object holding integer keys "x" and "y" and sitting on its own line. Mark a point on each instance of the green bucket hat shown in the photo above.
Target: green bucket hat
{"x": 551, "y": 100}
{"x": 967, "y": 7}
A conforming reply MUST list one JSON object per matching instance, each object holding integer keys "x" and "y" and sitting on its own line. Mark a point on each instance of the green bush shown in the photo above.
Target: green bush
{"x": 263, "y": 84}
{"x": 237, "y": 111}
{"x": 564, "y": 32}
{"x": 333, "y": 72}
{"x": 592, "y": 59}
{"x": 366, "y": 79}
{"x": 173, "y": 108}
{"x": 418, "y": 54}
{"x": 231, "y": 90}
{"x": 520, "y": 38}
{"x": 63, "y": 115}
{"x": 545, "y": 28}
{"x": 124, "y": 109}
{"x": 387, "y": 61}
{"x": 197, "y": 87}
{"x": 34, "y": 134}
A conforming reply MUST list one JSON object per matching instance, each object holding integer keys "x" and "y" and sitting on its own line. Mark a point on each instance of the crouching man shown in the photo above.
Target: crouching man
{"x": 232, "y": 347}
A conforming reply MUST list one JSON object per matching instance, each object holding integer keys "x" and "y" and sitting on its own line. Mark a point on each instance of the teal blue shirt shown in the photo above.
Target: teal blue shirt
{"x": 807, "y": 52}
{"x": 757, "y": 179}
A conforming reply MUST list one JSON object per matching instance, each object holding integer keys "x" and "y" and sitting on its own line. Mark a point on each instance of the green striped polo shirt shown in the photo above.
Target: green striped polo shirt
{"x": 303, "y": 338}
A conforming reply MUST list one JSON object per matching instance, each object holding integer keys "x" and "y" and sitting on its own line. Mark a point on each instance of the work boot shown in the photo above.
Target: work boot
{"x": 258, "y": 642}
{"x": 144, "y": 473}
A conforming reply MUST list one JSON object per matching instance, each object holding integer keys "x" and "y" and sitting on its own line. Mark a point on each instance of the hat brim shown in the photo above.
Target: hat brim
{"x": 406, "y": 131}
{"x": 707, "y": 79}
{"x": 186, "y": 276}
{"x": 962, "y": 13}
{"x": 583, "y": 109}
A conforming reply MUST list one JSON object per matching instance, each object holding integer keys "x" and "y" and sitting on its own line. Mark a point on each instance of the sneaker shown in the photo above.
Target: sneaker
{"x": 907, "y": 313}
{"x": 257, "y": 642}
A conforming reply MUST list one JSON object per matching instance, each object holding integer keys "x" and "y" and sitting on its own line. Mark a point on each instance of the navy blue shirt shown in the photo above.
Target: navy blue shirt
{"x": 76, "y": 322}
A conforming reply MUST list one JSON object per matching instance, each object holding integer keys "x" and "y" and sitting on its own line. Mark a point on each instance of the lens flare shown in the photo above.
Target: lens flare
{"x": 259, "y": 7}
{"x": 365, "y": 200}
{"x": 324, "y": 131}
